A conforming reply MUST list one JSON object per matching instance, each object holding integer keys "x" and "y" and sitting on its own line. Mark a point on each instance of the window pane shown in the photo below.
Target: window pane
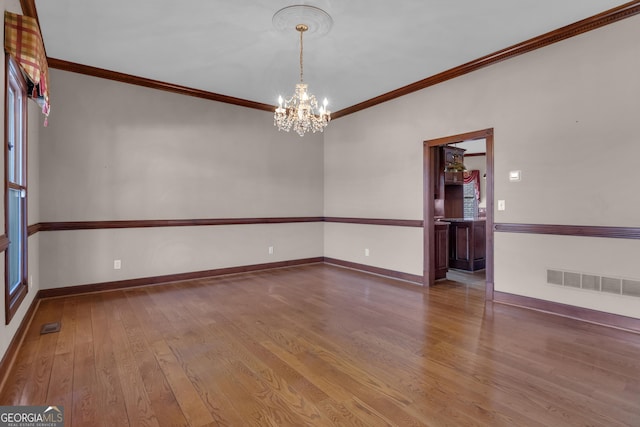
{"x": 11, "y": 134}
{"x": 14, "y": 234}
{"x": 19, "y": 135}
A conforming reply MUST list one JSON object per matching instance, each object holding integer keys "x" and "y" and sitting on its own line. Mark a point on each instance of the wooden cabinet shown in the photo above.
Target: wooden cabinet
{"x": 441, "y": 255}
{"x": 453, "y": 201}
{"x": 453, "y": 165}
{"x": 467, "y": 242}
{"x": 454, "y": 178}
{"x": 448, "y": 182}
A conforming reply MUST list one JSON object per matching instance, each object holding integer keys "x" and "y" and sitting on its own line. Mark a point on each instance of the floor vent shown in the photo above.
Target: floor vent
{"x": 49, "y": 328}
{"x": 591, "y": 282}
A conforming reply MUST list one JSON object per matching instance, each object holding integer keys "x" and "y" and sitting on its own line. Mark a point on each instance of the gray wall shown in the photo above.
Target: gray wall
{"x": 565, "y": 115}
{"x": 115, "y": 151}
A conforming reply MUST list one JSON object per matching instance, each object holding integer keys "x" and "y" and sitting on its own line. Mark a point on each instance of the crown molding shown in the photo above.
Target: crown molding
{"x": 73, "y": 67}
{"x": 600, "y": 20}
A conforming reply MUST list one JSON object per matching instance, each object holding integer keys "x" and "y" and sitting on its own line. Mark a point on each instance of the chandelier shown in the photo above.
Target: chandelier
{"x": 301, "y": 112}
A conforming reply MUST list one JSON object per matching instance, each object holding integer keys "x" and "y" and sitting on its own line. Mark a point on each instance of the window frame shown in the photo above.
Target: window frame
{"x": 15, "y": 80}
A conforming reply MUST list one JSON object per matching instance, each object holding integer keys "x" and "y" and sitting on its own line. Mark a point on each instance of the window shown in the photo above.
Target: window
{"x": 15, "y": 188}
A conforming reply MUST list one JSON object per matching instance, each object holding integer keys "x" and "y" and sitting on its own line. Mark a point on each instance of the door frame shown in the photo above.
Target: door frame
{"x": 429, "y": 147}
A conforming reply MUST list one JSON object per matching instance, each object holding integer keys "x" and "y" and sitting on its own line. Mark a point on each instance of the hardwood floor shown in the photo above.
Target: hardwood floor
{"x": 321, "y": 345}
{"x": 471, "y": 278}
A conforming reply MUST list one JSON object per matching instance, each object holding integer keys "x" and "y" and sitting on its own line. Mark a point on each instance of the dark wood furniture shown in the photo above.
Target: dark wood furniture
{"x": 452, "y": 156}
{"x": 441, "y": 249}
{"x": 467, "y": 240}
{"x": 448, "y": 186}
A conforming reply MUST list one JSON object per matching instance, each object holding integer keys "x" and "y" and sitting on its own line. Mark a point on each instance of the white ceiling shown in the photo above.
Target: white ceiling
{"x": 230, "y": 47}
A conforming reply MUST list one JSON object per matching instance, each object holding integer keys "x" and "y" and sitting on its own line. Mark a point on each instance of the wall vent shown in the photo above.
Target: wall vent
{"x": 592, "y": 282}
{"x": 631, "y": 287}
{"x": 611, "y": 285}
{"x": 554, "y": 277}
{"x": 571, "y": 279}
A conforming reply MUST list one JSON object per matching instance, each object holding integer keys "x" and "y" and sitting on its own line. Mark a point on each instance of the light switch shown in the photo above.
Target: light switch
{"x": 515, "y": 176}
{"x": 501, "y": 205}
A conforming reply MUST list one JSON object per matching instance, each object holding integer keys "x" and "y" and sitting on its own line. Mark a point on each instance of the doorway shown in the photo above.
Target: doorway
{"x": 430, "y": 165}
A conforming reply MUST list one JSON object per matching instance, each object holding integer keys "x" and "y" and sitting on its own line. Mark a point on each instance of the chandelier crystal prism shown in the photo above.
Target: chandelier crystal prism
{"x": 300, "y": 112}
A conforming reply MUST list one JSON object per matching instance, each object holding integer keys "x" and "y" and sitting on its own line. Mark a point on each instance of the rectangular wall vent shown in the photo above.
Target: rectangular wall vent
{"x": 611, "y": 285}
{"x": 631, "y": 287}
{"x": 571, "y": 279}
{"x": 592, "y": 282}
{"x": 554, "y": 277}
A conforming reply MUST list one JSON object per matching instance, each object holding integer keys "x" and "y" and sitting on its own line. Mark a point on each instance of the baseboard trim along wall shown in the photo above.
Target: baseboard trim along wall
{"x": 414, "y": 278}
{"x": 158, "y": 280}
{"x": 579, "y": 313}
{"x": 16, "y": 341}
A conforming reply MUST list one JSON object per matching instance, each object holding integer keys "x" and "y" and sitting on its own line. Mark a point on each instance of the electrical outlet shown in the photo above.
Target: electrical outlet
{"x": 117, "y": 264}
{"x": 501, "y": 205}
{"x": 30, "y": 281}
{"x": 366, "y": 252}
{"x": 270, "y": 250}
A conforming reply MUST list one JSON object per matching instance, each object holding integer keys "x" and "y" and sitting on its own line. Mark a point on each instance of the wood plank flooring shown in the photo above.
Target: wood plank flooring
{"x": 320, "y": 345}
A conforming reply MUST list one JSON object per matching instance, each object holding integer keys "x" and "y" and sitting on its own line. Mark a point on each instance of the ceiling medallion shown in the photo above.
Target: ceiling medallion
{"x": 300, "y": 112}
{"x": 317, "y": 20}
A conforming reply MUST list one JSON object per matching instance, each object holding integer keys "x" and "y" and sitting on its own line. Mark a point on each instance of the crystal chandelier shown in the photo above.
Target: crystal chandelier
{"x": 301, "y": 112}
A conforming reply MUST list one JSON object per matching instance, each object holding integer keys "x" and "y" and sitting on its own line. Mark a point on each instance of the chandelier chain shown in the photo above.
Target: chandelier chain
{"x": 301, "y": 64}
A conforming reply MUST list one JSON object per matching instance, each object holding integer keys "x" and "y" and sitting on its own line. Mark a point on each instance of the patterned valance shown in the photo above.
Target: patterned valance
{"x": 22, "y": 40}
{"x": 473, "y": 176}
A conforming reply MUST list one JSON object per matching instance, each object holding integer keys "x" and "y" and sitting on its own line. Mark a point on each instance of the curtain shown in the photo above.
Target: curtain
{"x": 23, "y": 41}
{"x": 473, "y": 176}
